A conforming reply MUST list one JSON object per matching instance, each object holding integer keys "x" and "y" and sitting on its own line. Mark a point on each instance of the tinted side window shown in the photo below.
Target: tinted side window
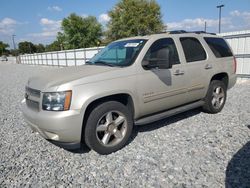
{"x": 158, "y": 49}
{"x": 193, "y": 49}
{"x": 219, "y": 47}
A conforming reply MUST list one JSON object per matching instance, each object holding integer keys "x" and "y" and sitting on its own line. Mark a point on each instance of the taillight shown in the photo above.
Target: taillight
{"x": 235, "y": 65}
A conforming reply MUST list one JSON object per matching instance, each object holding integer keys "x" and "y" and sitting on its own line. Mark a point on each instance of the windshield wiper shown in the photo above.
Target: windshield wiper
{"x": 100, "y": 62}
{"x": 89, "y": 63}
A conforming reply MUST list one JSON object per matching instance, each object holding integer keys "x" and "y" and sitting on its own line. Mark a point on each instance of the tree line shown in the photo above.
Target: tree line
{"x": 127, "y": 18}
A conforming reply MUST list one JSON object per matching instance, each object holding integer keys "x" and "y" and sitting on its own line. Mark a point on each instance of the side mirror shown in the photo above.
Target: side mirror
{"x": 156, "y": 63}
{"x": 162, "y": 60}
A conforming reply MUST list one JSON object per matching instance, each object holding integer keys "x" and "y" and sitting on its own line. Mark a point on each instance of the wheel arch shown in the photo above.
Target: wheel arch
{"x": 123, "y": 98}
{"x": 223, "y": 76}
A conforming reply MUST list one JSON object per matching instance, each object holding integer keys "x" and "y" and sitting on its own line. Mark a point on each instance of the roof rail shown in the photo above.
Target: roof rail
{"x": 176, "y": 32}
{"x": 183, "y": 31}
{"x": 202, "y": 32}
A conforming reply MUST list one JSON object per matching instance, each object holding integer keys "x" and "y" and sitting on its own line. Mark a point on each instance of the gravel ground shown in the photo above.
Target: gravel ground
{"x": 193, "y": 149}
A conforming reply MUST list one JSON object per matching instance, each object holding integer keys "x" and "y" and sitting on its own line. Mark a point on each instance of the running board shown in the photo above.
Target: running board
{"x": 160, "y": 116}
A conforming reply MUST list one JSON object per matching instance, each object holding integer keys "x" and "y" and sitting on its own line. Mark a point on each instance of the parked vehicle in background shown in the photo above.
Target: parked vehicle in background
{"x": 131, "y": 81}
{"x": 4, "y": 58}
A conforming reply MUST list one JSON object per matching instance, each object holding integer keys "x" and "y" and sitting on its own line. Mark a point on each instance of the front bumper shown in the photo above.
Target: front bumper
{"x": 64, "y": 127}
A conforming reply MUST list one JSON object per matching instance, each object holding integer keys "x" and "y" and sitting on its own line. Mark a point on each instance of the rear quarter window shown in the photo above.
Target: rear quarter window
{"x": 193, "y": 49}
{"x": 219, "y": 47}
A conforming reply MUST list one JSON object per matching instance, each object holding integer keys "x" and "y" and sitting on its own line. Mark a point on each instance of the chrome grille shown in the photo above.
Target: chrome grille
{"x": 33, "y": 92}
{"x": 32, "y": 104}
{"x": 32, "y": 97}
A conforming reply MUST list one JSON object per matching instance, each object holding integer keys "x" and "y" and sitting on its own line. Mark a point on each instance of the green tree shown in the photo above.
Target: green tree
{"x": 13, "y": 52}
{"x": 3, "y": 47}
{"x": 26, "y": 47}
{"x": 40, "y": 48}
{"x": 54, "y": 46}
{"x": 79, "y": 32}
{"x": 133, "y": 18}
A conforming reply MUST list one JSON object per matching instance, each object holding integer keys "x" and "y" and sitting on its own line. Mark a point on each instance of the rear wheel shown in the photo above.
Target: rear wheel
{"x": 108, "y": 127}
{"x": 216, "y": 97}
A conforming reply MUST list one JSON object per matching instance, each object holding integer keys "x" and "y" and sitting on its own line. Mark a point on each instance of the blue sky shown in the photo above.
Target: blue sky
{"x": 39, "y": 21}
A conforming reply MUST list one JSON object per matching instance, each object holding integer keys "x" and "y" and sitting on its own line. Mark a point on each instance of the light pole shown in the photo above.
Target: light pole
{"x": 13, "y": 40}
{"x": 14, "y": 46}
{"x": 219, "y": 7}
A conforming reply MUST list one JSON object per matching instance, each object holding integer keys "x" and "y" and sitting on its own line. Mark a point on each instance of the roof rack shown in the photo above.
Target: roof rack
{"x": 201, "y": 32}
{"x": 183, "y": 31}
{"x": 177, "y": 32}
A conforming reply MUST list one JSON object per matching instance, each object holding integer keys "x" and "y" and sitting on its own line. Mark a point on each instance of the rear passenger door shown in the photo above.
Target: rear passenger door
{"x": 198, "y": 68}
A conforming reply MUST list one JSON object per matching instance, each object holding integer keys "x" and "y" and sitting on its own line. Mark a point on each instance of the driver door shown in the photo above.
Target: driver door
{"x": 161, "y": 87}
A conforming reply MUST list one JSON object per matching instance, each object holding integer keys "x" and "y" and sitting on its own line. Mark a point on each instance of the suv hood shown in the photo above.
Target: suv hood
{"x": 64, "y": 75}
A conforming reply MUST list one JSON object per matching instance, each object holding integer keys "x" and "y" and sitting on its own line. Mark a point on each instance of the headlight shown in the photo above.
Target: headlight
{"x": 56, "y": 101}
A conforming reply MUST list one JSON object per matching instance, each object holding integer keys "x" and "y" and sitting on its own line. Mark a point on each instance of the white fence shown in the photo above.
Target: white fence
{"x": 240, "y": 43}
{"x": 60, "y": 58}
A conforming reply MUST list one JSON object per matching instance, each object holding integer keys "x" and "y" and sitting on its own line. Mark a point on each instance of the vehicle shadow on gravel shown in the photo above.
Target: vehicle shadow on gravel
{"x": 238, "y": 169}
{"x": 149, "y": 127}
{"x": 84, "y": 149}
{"x": 167, "y": 121}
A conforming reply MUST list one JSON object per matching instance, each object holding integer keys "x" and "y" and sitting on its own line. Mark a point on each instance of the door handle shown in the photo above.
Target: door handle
{"x": 208, "y": 66}
{"x": 179, "y": 72}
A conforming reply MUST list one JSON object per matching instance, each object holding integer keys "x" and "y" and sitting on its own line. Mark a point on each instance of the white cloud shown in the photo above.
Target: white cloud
{"x": 8, "y": 21}
{"x": 50, "y": 23}
{"x": 199, "y": 24}
{"x": 50, "y": 28}
{"x": 44, "y": 34}
{"x": 237, "y": 20}
{"x": 235, "y": 13}
{"x": 55, "y": 8}
{"x": 243, "y": 16}
{"x": 104, "y": 18}
{"x": 84, "y": 15}
{"x": 7, "y": 25}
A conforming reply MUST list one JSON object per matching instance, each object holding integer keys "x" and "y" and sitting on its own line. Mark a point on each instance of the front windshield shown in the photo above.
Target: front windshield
{"x": 121, "y": 53}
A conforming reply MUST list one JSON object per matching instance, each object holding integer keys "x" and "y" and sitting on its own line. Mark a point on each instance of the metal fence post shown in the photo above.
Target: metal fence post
{"x": 46, "y": 57}
{"x": 52, "y": 59}
{"x": 57, "y": 58}
{"x": 66, "y": 58}
{"x": 75, "y": 56}
{"x": 84, "y": 50}
{"x": 42, "y": 58}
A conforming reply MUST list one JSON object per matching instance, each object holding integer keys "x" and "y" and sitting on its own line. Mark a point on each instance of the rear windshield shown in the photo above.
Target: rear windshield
{"x": 219, "y": 47}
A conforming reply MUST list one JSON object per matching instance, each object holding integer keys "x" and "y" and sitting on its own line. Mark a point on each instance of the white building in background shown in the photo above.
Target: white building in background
{"x": 240, "y": 43}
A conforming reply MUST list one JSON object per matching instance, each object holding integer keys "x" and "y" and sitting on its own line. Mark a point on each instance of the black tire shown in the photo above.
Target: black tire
{"x": 100, "y": 114}
{"x": 210, "y": 106}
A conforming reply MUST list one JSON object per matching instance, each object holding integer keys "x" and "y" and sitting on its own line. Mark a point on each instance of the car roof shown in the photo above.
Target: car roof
{"x": 172, "y": 34}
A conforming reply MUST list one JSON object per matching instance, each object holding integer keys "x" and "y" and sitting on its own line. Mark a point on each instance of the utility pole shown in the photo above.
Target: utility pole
{"x": 13, "y": 40}
{"x": 14, "y": 46}
{"x": 219, "y": 7}
{"x": 205, "y": 29}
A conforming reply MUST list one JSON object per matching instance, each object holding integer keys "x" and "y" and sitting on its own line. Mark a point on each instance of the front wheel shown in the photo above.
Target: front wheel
{"x": 216, "y": 97}
{"x": 109, "y": 127}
